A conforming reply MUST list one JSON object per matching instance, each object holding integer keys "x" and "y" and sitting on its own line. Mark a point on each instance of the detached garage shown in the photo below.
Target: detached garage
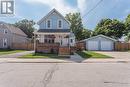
{"x": 100, "y": 42}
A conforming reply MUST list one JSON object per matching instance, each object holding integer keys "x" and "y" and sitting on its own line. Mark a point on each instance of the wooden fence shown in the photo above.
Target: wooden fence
{"x": 80, "y": 45}
{"x": 47, "y": 47}
{"x": 23, "y": 46}
{"x": 122, "y": 46}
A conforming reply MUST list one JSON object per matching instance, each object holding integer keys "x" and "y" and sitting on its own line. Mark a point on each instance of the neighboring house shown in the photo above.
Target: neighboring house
{"x": 10, "y": 34}
{"x": 54, "y": 28}
{"x": 100, "y": 42}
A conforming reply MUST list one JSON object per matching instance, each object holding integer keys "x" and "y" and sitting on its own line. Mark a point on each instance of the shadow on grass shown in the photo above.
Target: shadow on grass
{"x": 84, "y": 55}
{"x": 91, "y": 54}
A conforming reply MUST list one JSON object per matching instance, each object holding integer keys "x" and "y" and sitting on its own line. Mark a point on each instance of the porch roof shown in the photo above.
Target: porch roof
{"x": 54, "y": 30}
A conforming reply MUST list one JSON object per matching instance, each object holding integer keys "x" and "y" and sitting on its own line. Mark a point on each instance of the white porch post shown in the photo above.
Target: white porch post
{"x": 42, "y": 38}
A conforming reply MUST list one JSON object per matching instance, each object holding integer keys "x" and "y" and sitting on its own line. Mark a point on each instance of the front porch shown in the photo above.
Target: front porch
{"x": 58, "y": 43}
{"x": 61, "y": 39}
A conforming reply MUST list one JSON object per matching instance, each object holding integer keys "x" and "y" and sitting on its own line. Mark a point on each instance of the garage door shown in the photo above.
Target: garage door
{"x": 106, "y": 45}
{"x": 93, "y": 45}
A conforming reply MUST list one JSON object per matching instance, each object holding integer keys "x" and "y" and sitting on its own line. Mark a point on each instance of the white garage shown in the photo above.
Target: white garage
{"x": 100, "y": 42}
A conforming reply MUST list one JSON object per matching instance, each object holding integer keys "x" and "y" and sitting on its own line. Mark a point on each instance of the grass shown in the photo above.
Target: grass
{"x": 6, "y": 51}
{"x": 42, "y": 55}
{"x": 90, "y": 54}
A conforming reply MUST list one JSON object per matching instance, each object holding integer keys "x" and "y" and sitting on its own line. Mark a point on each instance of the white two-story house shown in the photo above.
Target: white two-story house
{"x": 54, "y": 28}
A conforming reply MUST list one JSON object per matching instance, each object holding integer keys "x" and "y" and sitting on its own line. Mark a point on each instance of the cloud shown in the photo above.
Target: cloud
{"x": 81, "y": 4}
{"x": 60, "y": 5}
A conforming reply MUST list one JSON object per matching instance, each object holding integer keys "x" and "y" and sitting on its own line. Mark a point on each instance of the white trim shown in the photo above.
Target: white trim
{"x": 47, "y": 23}
{"x": 100, "y": 36}
{"x": 4, "y": 41}
{"x": 58, "y": 24}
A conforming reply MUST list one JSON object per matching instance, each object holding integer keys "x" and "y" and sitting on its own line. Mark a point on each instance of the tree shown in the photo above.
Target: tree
{"x": 128, "y": 37}
{"x": 112, "y": 28}
{"x": 127, "y": 24}
{"x": 27, "y": 26}
{"x": 76, "y": 24}
{"x": 86, "y": 33}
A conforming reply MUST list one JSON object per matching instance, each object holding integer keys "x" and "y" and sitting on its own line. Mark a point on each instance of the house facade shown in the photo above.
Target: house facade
{"x": 54, "y": 28}
{"x": 10, "y": 34}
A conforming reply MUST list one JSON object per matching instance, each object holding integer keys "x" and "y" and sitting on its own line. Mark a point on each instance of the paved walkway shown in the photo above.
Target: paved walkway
{"x": 76, "y": 58}
{"x": 16, "y": 55}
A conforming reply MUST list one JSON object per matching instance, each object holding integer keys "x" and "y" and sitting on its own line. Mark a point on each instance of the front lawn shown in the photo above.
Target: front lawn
{"x": 42, "y": 55}
{"x": 90, "y": 54}
{"x": 6, "y": 51}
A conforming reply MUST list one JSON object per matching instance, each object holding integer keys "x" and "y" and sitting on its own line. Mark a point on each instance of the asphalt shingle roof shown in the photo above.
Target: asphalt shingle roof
{"x": 12, "y": 28}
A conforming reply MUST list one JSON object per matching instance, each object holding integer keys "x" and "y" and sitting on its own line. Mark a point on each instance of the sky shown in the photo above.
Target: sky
{"x": 37, "y": 9}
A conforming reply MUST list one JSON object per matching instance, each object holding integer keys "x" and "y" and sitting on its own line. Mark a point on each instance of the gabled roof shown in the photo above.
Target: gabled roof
{"x": 12, "y": 28}
{"x": 52, "y": 11}
{"x": 100, "y": 36}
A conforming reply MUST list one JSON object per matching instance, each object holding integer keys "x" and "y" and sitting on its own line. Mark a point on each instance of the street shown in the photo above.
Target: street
{"x": 64, "y": 74}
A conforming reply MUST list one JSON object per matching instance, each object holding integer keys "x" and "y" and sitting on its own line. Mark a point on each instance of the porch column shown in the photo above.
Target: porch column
{"x": 42, "y": 38}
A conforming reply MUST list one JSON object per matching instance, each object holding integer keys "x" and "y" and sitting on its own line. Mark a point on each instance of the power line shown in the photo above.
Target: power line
{"x": 92, "y": 8}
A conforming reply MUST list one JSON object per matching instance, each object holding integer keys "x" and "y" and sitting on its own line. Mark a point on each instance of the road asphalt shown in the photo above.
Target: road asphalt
{"x": 64, "y": 75}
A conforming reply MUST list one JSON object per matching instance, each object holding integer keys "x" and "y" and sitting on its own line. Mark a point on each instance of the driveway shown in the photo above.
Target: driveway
{"x": 116, "y": 55}
{"x": 16, "y": 55}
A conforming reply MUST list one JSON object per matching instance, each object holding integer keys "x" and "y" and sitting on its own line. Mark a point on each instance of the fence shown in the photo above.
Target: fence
{"x": 64, "y": 51}
{"x": 23, "y": 46}
{"x": 80, "y": 45}
{"x": 122, "y": 46}
{"x": 47, "y": 47}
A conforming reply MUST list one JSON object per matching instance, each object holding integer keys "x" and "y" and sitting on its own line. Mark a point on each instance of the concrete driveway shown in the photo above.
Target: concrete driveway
{"x": 115, "y": 54}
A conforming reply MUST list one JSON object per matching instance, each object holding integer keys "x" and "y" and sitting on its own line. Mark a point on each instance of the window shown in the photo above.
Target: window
{"x": 4, "y": 42}
{"x": 71, "y": 40}
{"x": 49, "y": 39}
{"x": 48, "y": 24}
{"x": 59, "y": 24}
{"x": 5, "y": 32}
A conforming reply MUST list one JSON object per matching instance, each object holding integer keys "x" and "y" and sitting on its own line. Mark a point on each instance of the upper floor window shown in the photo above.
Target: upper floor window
{"x": 5, "y": 31}
{"x": 48, "y": 24}
{"x": 59, "y": 24}
{"x": 4, "y": 42}
{"x": 71, "y": 40}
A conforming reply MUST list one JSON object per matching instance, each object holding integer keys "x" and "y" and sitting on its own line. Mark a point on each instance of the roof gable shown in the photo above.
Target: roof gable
{"x": 100, "y": 36}
{"x": 12, "y": 28}
{"x": 51, "y": 12}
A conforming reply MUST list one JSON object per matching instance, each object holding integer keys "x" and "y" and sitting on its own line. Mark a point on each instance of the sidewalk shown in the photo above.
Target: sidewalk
{"x": 47, "y": 60}
{"x": 76, "y": 58}
{"x": 92, "y": 60}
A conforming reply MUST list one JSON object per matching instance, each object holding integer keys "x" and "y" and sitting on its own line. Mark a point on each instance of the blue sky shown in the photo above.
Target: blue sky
{"x": 36, "y": 9}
